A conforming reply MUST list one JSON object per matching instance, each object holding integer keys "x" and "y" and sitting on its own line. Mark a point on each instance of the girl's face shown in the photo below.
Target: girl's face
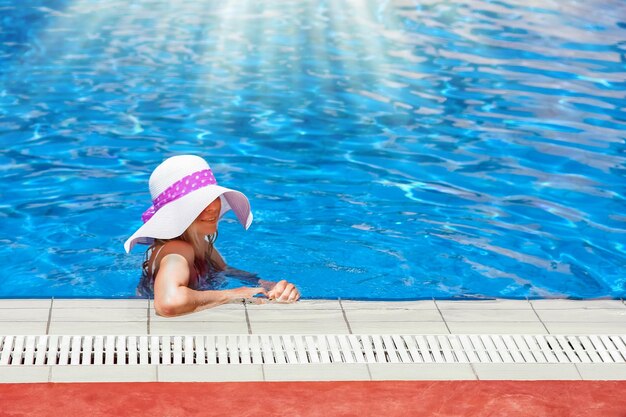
{"x": 206, "y": 222}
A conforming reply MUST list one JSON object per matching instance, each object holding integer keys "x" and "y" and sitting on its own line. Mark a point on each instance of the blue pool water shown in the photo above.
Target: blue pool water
{"x": 390, "y": 149}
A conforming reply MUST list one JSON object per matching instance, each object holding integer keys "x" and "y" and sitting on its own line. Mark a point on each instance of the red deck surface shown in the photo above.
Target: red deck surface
{"x": 324, "y": 399}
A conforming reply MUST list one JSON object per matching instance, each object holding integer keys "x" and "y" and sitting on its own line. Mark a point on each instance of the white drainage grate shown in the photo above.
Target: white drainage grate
{"x": 303, "y": 349}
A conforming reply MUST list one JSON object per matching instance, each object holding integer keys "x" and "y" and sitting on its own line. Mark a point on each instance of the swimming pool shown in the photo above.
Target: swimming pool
{"x": 391, "y": 150}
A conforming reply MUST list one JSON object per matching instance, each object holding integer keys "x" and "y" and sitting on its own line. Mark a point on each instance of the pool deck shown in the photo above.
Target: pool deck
{"x": 308, "y": 317}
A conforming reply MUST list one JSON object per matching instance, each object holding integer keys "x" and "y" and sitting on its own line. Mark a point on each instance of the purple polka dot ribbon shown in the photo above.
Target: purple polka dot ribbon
{"x": 179, "y": 189}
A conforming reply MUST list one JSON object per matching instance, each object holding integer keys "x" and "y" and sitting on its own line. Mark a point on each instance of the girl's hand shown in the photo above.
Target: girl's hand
{"x": 284, "y": 292}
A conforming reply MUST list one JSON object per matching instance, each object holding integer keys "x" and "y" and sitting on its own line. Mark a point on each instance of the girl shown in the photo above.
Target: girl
{"x": 181, "y": 229}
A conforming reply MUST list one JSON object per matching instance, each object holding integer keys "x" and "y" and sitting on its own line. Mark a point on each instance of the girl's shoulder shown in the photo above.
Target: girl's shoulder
{"x": 179, "y": 247}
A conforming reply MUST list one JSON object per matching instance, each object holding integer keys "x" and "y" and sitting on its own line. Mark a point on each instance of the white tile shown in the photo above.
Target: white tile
{"x": 421, "y": 371}
{"x": 201, "y": 327}
{"x": 555, "y": 327}
{"x": 99, "y": 314}
{"x": 104, "y": 373}
{"x": 602, "y": 371}
{"x": 24, "y": 314}
{"x": 95, "y": 303}
{"x": 321, "y": 316}
{"x": 584, "y": 315}
{"x": 497, "y": 304}
{"x": 403, "y": 327}
{"x": 388, "y": 305}
{"x": 211, "y": 314}
{"x": 526, "y": 371}
{"x": 210, "y": 373}
{"x": 25, "y": 303}
{"x": 21, "y": 374}
{"x": 299, "y": 305}
{"x": 496, "y": 327}
{"x": 23, "y": 327}
{"x": 299, "y": 327}
{"x": 236, "y": 306}
{"x": 577, "y": 304}
{"x": 393, "y": 315}
{"x": 489, "y": 315}
{"x": 98, "y": 328}
{"x": 316, "y": 372}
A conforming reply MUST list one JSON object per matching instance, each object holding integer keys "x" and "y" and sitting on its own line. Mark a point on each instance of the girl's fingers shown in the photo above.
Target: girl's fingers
{"x": 287, "y": 292}
{"x": 294, "y": 295}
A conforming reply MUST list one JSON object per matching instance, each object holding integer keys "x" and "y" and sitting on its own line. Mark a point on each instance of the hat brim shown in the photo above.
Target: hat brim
{"x": 174, "y": 218}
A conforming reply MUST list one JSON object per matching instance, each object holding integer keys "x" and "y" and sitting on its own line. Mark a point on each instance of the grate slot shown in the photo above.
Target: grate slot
{"x": 290, "y": 350}
{"x": 144, "y": 351}
{"x": 75, "y": 350}
{"x": 87, "y": 355}
{"x": 518, "y": 342}
{"x": 211, "y": 349}
{"x": 379, "y": 350}
{"x": 457, "y": 349}
{"x": 311, "y": 347}
{"x": 222, "y": 349}
{"x": 29, "y": 350}
{"x": 611, "y": 349}
{"x": 256, "y": 350}
{"x": 446, "y": 349}
{"x": 416, "y": 356}
{"x": 424, "y": 349}
{"x": 390, "y": 350}
{"x": 42, "y": 350}
{"x": 368, "y": 350}
{"x": 356, "y": 348}
{"x": 620, "y": 345}
{"x": 302, "y": 351}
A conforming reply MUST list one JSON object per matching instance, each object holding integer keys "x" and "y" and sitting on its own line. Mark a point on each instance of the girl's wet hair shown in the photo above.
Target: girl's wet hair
{"x": 203, "y": 262}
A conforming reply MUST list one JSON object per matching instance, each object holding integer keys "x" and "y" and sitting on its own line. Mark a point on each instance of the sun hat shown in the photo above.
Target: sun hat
{"x": 181, "y": 187}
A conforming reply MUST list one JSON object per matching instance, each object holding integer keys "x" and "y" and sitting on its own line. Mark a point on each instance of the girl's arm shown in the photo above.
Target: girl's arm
{"x": 281, "y": 290}
{"x": 172, "y": 295}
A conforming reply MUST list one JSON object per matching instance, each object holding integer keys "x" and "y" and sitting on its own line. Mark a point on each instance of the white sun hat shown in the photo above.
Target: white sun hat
{"x": 181, "y": 188}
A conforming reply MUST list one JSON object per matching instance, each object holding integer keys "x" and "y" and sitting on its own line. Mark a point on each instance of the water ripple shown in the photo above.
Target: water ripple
{"x": 398, "y": 149}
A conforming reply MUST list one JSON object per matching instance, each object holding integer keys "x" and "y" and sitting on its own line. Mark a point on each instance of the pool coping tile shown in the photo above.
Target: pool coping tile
{"x": 400, "y": 327}
{"x": 24, "y": 314}
{"x": 97, "y": 328}
{"x": 208, "y": 315}
{"x": 489, "y": 315}
{"x": 25, "y": 302}
{"x": 526, "y": 371}
{"x": 574, "y": 328}
{"x": 577, "y": 304}
{"x": 198, "y": 328}
{"x": 300, "y": 305}
{"x": 23, "y": 327}
{"x": 210, "y": 373}
{"x": 317, "y": 372}
{"x": 421, "y": 371}
{"x": 493, "y": 304}
{"x": 98, "y": 303}
{"x": 602, "y": 371}
{"x": 104, "y": 373}
{"x": 595, "y": 315}
{"x": 493, "y": 327}
{"x": 299, "y": 327}
{"x": 103, "y": 315}
{"x": 388, "y": 305}
{"x": 24, "y": 374}
{"x": 275, "y": 315}
{"x": 393, "y": 315}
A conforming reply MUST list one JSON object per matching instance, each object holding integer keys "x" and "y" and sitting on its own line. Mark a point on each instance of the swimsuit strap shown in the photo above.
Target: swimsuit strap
{"x": 154, "y": 260}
